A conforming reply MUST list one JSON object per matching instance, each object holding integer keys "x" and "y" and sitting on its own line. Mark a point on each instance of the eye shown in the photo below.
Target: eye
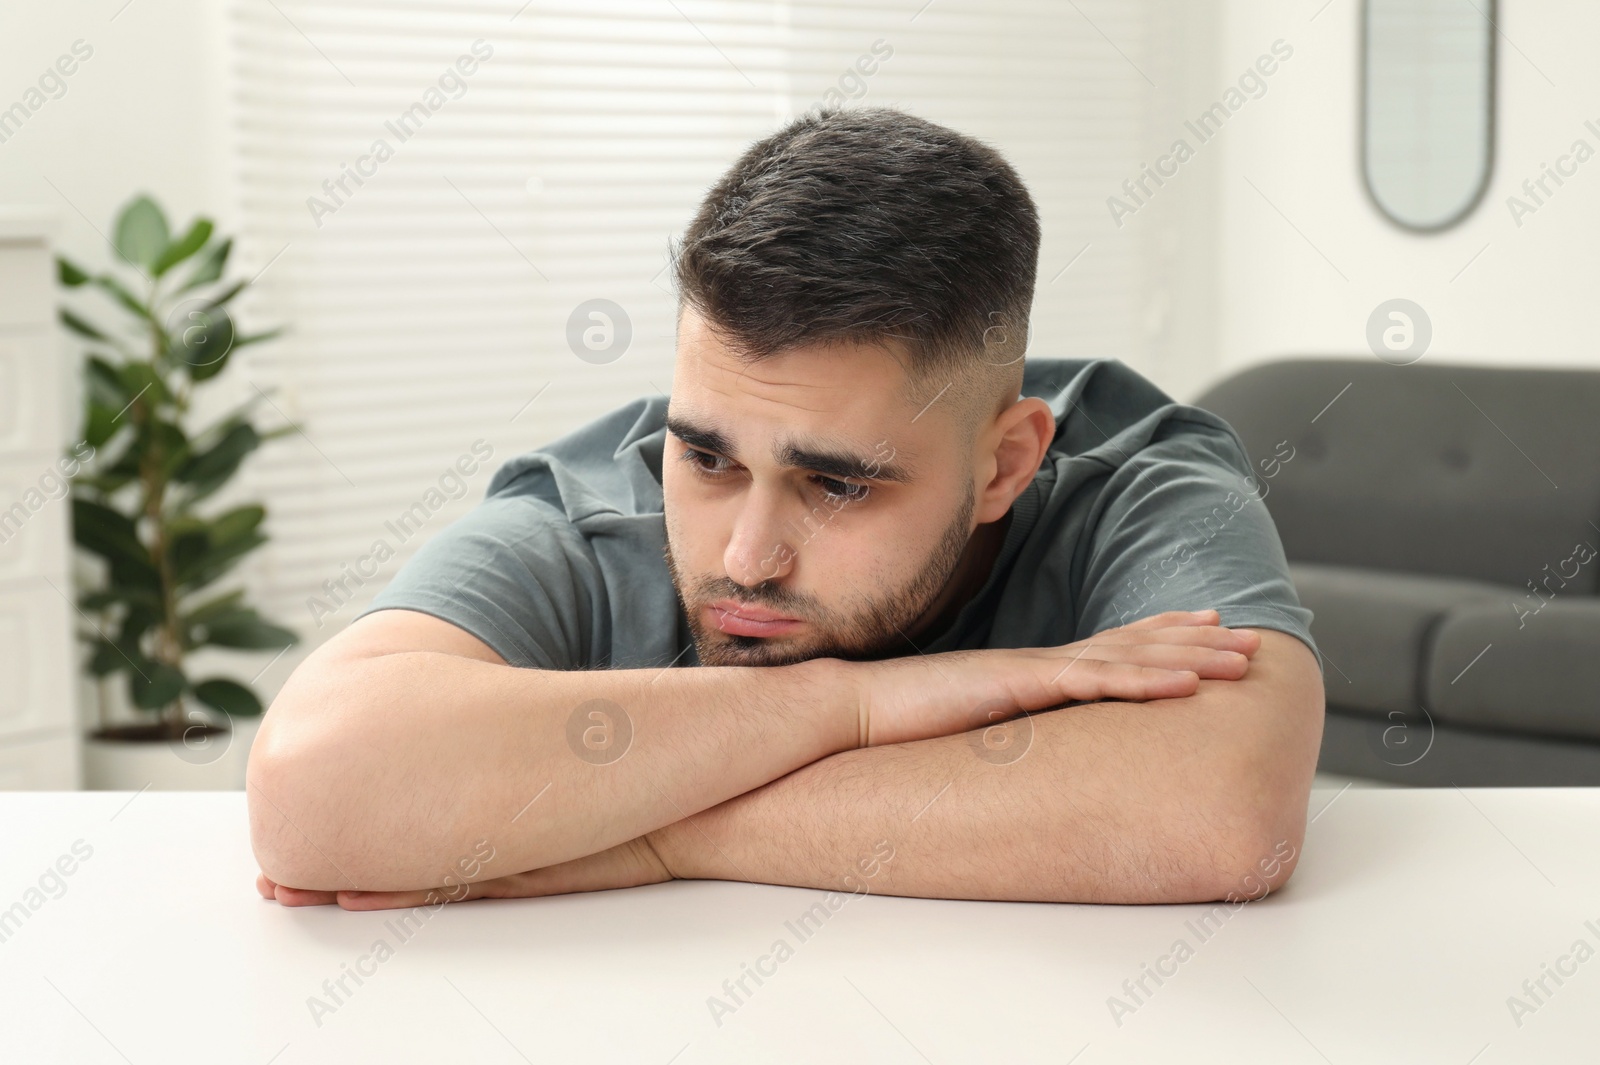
{"x": 699, "y": 459}
{"x": 835, "y": 489}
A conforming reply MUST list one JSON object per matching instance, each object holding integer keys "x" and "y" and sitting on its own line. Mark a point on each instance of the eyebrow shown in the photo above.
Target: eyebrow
{"x": 839, "y": 463}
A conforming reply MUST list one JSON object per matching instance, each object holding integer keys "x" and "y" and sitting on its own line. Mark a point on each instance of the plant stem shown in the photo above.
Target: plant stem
{"x": 169, "y": 645}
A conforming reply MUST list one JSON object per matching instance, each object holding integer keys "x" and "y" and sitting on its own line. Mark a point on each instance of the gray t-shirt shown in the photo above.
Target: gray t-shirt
{"x": 1141, "y": 505}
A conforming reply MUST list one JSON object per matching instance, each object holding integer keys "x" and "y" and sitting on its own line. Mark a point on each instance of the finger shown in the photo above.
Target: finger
{"x": 288, "y": 896}
{"x": 1210, "y": 662}
{"x": 1250, "y": 637}
{"x": 385, "y": 900}
{"x": 1091, "y": 678}
{"x": 1242, "y": 640}
{"x": 405, "y": 900}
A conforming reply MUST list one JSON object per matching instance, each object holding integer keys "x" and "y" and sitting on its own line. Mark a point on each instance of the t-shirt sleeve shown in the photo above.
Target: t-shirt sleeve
{"x": 515, "y": 573}
{"x": 1182, "y": 526}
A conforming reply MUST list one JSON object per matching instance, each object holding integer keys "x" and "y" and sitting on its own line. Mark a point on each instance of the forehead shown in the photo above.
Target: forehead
{"x": 838, "y": 383}
{"x": 833, "y": 407}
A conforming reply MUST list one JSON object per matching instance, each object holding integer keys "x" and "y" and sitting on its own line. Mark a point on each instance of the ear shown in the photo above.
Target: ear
{"x": 1011, "y": 450}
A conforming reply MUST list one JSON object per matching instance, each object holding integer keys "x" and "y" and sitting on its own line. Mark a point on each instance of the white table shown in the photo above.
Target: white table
{"x": 1413, "y": 918}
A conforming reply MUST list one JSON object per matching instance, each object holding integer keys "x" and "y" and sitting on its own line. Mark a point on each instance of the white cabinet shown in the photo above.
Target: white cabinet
{"x": 39, "y": 740}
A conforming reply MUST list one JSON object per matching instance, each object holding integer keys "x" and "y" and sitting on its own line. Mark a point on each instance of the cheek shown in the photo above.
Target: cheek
{"x": 865, "y": 549}
{"x": 695, "y": 525}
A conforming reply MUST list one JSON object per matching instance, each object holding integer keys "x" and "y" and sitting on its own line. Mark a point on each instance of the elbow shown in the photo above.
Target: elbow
{"x": 1257, "y": 844}
{"x": 277, "y": 837}
{"x": 1259, "y": 864}
{"x": 1233, "y": 867}
{"x": 1257, "y": 801}
{"x": 300, "y": 830}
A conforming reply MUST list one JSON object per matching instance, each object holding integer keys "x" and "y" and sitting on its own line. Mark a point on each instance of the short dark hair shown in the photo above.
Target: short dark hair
{"x": 866, "y": 224}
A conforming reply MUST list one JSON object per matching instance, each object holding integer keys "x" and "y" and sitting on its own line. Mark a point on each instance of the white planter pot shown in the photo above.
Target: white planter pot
{"x": 205, "y": 762}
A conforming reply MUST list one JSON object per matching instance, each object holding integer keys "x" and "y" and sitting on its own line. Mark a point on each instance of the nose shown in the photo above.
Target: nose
{"x": 758, "y": 547}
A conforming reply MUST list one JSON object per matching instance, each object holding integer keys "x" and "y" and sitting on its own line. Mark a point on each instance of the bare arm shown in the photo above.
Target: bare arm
{"x": 1179, "y": 800}
{"x": 404, "y": 743}
{"x": 404, "y": 740}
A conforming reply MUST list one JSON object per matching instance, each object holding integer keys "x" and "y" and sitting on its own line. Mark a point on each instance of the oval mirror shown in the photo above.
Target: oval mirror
{"x": 1427, "y": 122}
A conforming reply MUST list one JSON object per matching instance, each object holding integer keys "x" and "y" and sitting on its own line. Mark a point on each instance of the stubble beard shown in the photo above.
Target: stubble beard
{"x": 873, "y": 631}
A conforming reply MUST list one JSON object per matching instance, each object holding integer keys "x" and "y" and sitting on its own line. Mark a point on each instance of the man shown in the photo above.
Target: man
{"x": 937, "y": 600}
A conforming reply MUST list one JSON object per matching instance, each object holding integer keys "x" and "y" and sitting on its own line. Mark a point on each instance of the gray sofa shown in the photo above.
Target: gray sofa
{"x": 1442, "y": 522}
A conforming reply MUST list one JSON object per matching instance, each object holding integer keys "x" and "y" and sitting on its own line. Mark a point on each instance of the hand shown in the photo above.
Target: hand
{"x": 626, "y": 865}
{"x": 1159, "y": 657}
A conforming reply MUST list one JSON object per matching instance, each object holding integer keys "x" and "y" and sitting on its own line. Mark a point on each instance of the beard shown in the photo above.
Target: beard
{"x": 868, "y": 628}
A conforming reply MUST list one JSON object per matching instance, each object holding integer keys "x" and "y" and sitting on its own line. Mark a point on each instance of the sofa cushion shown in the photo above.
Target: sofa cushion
{"x": 1373, "y": 628}
{"x": 1539, "y": 674}
{"x": 1480, "y": 472}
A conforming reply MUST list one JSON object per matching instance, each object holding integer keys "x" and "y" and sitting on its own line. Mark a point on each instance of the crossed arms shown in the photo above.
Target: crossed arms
{"x": 405, "y": 750}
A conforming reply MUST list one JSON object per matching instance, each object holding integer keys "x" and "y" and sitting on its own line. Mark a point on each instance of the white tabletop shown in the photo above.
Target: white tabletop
{"x": 1414, "y": 917}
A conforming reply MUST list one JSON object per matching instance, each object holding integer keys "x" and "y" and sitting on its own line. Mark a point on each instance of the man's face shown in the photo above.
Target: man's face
{"x": 813, "y": 508}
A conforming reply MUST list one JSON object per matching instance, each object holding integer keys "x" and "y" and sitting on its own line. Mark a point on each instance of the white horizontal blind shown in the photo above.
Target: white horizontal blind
{"x": 430, "y": 305}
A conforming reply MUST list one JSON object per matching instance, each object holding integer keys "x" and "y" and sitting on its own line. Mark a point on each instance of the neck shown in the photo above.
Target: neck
{"x": 972, "y": 570}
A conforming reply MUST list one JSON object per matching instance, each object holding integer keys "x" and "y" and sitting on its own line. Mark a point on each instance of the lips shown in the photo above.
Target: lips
{"x": 745, "y": 619}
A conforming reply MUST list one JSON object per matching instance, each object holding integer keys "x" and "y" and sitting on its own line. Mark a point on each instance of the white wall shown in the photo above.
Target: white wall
{"x": 1524, "y": 300}
{"x": 144, "y": 112}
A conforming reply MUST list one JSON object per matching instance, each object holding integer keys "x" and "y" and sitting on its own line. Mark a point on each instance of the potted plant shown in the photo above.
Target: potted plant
{"x": 142, "y": 507}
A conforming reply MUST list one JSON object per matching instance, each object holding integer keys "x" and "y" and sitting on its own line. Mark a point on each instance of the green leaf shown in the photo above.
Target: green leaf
{"x": 138, "y": 619}
{"x": 188, "y": 546}
{"x": 183, "y": 247}
{"x": 213, "y": 608}
{"x": 106, "y": 532}
{"x": 210, "y": 266}
{"x": 227, "y": 616}
{"x": 117, "y": 291}
{"x": 237, "y": 415}
{"x": 114, "y": 473}
{"x": 112, "y": 535}
{"x": 81, "y": 327}
{"x": 244, "y": 628}
{"x": 104, "y": 383}
{"x": 106, "y": 658}
{"x": 141, "y": 381}
{"x": 104, "y": 484}
{"x": 211, "y": 369}
{"x": 257, "y": 338}
{"x": 231, "y": 697}
{"x": 201, "y": 550}
{"x": 201, "y": 343}
{"x": 159, "y": 685}
{"x": 210, "y": 469}
{"x": 109, "y": 597}
{"x": 229, "y": 292}
{"x": 201, "y": 571}
{"x": 141, "y": 232}
{"x": 98, "y": 600}
{"x": 68, "y": 273}
{"x": 130, "y": 573}
{"x": 231, "y": 527}
{"x": 99, "y": 423}
{"x": 166, "y": 441}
